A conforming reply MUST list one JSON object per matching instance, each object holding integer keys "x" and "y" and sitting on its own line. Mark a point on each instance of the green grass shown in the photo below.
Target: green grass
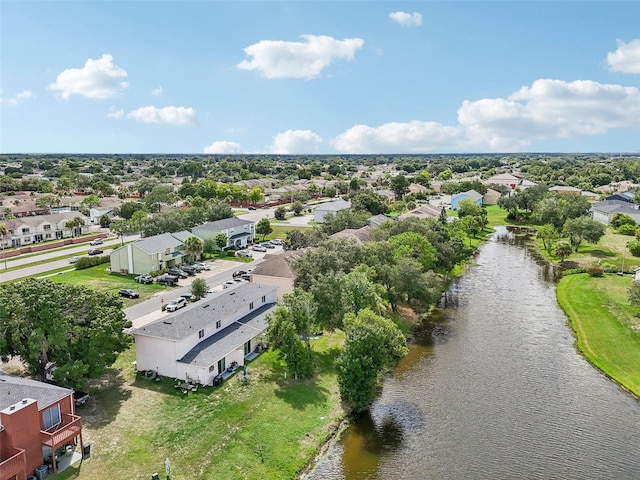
{"x": 268, "y": 429}
{"x": 607, "y": 327}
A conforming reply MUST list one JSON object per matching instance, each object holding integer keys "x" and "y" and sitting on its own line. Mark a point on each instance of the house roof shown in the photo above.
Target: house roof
{"x": 380, "y": 219}
{"x": 157, "y": 243}
{"x": 360, "y": 235}
{"x": 334, "y": 206}
{"x": 224, "y": 224}
{"x": 222, "y": 305}
{"x": 40, "y": 219}
{"x": 471, "y": 194}
{"x": 627, "y": 196}
{"x": 13, "y": 389}
{"x": 277, "y": 265}
{"x": 614, "y": 206}
{"x": 423, "y": 211}
{"x": 564, "y": 188}
{"x": 227, "y": 340}
{"x": 183, "y": 235}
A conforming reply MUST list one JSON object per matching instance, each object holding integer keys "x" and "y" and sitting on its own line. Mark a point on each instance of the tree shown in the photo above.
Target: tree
{"x": 563, "y": 249}
{"x": 120, "y": 227}
{"x": 303, "y": 311}
{"x": 127, "y": 209}
{"x": 329, "y": 191}
{"x": 90, "y": 201}
{"x": 400, "y": 186}
{"x": 297, "y": 208}
{"x": 75, "y": 328}
{"x": 469, "y": 208}
{"x": 199, "y": 202}
{"x": 105, "y": 221}
{"x": 199, "y": 288}
{"x": 282, "y": 336}
{"x": 219, "y": 210}
{"x": 336, "y": 222}
{"x": 359, "y": 292}
{"x": 634, "y": 293}
{"x": 263, "y": 227}
{"x": 547, "y": 233}
{"x": 409, "y": 283}
{"x": 194, "y": 246}
{"x": 583, "y": 228}
{"x": 255, "y": 195}
{"x": 144, "y": 185}
{"x": 413, "y": 245}
{"x": 160, "y": 195}
{"x": 221, "y": 241}
{"x": 74, "y": 224}
{"x": 369, "y": 201}
{"x": 372, "y": 344}
{"x": 280, "y": 213}
{"x": 103, "y": 188}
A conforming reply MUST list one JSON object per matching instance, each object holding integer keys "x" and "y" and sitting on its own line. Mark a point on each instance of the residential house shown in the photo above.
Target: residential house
{"x": 277, "y": 270}
{"x": 149, "y": 254}
{"x": 330, "y": 207}
{"x": 200, "y": 342}
{"x": 565, "y": 189}
{"x": 37, "y": 422}
{"x": 21, "y": 204}
{"x": 360, "y": 235}
{"x": 42, "y": 228}
{"x": 415, "y": 188}
{"x": 491, "y": 197}
{"x": 376, "y": 220}
{"x": 387, "y": 195}
{"x": 469, "y": 195}
{"x": 591, "y": 196}
{"x": 423, "y": 211}
{"x": 622, "y": 196}
{"x": 636, "y": 275}
{"x": 509, "y": 180}
{"x": 240, "y": 233}
{"x": 603, "y": 212}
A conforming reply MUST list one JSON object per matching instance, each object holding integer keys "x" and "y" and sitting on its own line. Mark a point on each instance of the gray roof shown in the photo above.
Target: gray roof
{"x": 227, "y": 340}
{"x": 158, "y": 243}
{"x": 334, "y": 206}
{"x": 14, "y": 389}
{"x": 613, "y": 206}
{"x": 471, "y": 194}
{"x": 183, "y": 235}
{"x": 380, "y": 219}
{"x": 225, "y": 304}
{"x": 224, "y": 224}
{"x": 627, "y": 196}
{"x": 423, "y": 211}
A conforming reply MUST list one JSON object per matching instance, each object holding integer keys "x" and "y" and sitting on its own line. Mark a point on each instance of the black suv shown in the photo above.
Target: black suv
{"x": 167, "y": 280}
{"x": 177, "y": 272}
{"x": 190, "y": 270}
{"x": 95, "y": 251}
{"x": 127, "y": 292}
{"x": 238, "y": 273}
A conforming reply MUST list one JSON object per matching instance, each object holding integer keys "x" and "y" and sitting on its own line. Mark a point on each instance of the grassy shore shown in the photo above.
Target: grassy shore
{"x": 607, "y": 327}
{"x": 268, "y": 429}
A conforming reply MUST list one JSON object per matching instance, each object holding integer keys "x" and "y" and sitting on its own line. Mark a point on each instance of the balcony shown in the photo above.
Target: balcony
{"x": 14, "y": 465}
{"x": 64, "y": 433}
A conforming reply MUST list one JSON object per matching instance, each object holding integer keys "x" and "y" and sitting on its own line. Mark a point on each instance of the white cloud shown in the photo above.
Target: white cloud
{"x": 156, "y": 92}
{"x": 115, "y": 112}
{"x": 306, "y": 59}
{"x": 626, "y": 58}
{"x": 97, "y": 79}
{"x": 295, "y": 142}
{"x": 407, "y": 19}
{"x": 165, "y": 115}
{"x": 17, "y": 98}
{"x": 223, "y": 147}
{"x": 548, "y": 109}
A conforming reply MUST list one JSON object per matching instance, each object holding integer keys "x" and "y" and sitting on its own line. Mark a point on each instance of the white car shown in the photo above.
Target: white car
{"x": 174, "y": 305}
{"x": 243, "y": 253}
{"x": 202, "y": 265}
{"x": 73, "y": 259}
{"x": 228, "y": 284}
{"x": 259, "y": 248}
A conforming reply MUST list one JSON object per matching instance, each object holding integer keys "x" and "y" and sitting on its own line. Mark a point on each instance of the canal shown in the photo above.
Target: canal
{"x": 499, "y": 393}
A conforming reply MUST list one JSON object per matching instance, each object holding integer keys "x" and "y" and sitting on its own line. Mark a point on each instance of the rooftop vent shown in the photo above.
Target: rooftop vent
{"x": 24, "y": 401}
{"x": 167, "y": 323}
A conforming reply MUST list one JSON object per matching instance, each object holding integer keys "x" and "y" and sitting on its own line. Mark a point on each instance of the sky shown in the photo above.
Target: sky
{"x": 319, "y": 77}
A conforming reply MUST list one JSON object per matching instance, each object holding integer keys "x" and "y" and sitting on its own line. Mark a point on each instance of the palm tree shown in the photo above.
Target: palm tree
{"x": 74, "y": 225}
{"x": 3, "y": 232}
{"x": 563, "y": 249}
{"x": 194, "y": 246}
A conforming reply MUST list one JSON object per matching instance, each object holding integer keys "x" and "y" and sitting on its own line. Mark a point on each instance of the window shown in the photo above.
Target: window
{"x": 47, "y": 227}
{"x": 218, "y": 323}
{"x": 264, "y": 298}
{"x": 212, "y": 368}
{"x": 201, "y": 333}
{"x": 251, "y": 306}
{"x": 51, "y": 417}
{"x": 25, "y": 230}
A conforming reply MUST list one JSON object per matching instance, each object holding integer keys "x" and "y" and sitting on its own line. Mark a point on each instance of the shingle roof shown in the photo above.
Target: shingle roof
{"x": 614, "y": 206}
{"x": 183, "y": 235}
{"x": 188, "y": 320}
{"x": 224, "y": 224}
{"x": 277, "y": 266}
{"x": 424, "y": 211}
{"x": 14, "y": 389}
{"x": 334, "y": 206}
{"x": 40, "y": 219}
{"x": 158, "y": 243}
{"x": 227, "y": 340}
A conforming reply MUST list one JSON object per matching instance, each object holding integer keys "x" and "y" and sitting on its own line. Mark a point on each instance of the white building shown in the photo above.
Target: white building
{"x": 43, "y": 228}
{"x": 203, "y": 340}
{"x": 330, "y": 207}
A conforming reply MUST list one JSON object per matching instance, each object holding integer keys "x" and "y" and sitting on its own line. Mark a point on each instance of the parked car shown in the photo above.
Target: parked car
{"x": 177, "y": 272}
{"x": 246, "y": 277}
{"x": 167, "y": 280}
{"x": 237, "y": 273}
{"x": 259, "y": 248}
{"x": 203, "y": 265}
{"x": 198, "y": 268}
{"x": 276, "y": 241}
{"x": 228, "y": 284}
{"x": 97, "y": 241}
{"x": 252, "y": 208}
{"x": 146, "y": 279}
{"x": 243, "y": 253}
{"x": 73, "y": 259}
{"x": 80, "y": 398}
{"x": 127, "y": 292}
{"x": 176, "y": 304}
{"x": 268, "y": 245}
{"x": 189, "y": 270}
{"x": 95, "y": 251}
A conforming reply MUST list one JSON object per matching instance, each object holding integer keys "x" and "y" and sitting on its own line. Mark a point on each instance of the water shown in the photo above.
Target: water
{"x": 502, "y": 394}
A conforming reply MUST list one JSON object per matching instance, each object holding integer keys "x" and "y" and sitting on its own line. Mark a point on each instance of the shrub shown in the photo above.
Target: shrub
{"x": 280, "y": 213}
{"x": 87, "y": 262}
{"x": 634, "y": 248}
{"x": 609, "y": 267}
{"x": 573, "y": 271}
{"x": 595, "y": 271}
{"x": 626, "y": 229}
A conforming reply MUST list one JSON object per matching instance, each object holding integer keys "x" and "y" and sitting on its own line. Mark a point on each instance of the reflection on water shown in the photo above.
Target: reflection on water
{"x": 495, "y": 390}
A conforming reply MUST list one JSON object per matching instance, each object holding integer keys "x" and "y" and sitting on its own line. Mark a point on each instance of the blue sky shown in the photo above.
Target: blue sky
{"x": 319, "y": 77}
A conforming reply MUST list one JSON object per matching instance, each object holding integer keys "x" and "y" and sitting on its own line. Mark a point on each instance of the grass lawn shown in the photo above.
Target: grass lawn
{"x": 607, "y": 327}
{"x": 268, "y": 429}
{"x": 101, "y": 279}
